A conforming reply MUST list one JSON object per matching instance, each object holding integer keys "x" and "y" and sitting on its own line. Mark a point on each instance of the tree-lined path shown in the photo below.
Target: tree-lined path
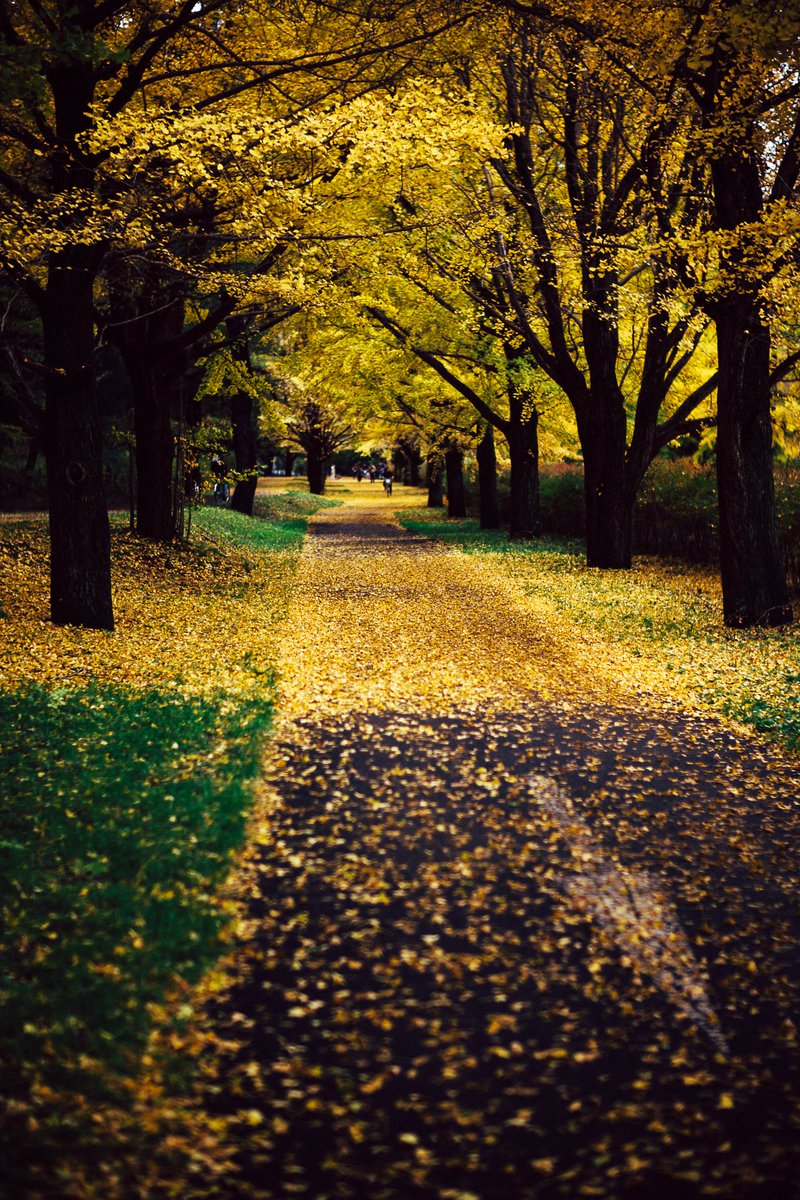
{"x": 515, "y": 931}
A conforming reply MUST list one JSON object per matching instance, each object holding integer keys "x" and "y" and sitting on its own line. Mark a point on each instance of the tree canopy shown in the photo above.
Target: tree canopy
{"x": 573, "y": 220}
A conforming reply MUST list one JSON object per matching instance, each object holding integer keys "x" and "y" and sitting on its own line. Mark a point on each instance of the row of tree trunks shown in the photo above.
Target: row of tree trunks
{"x": 407, "y": 463}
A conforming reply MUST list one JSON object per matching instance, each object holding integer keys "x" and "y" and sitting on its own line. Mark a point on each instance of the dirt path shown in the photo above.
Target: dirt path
{"x": 515, "y": 933}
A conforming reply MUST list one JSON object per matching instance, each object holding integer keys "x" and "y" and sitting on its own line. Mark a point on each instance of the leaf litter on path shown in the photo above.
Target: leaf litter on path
{"x": 511, "y": 929}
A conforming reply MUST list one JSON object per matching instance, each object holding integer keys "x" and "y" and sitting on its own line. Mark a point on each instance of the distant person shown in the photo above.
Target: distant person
{"x": 387, "y": 483}
{"x": 371, "y": 472}
{"x": 193, "y": 484}
{"x": 221, "y": 484}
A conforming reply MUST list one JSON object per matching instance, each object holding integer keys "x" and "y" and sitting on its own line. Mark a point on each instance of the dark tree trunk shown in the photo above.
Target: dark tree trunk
{"x": 487, "y": 479}
{"x": 414, "y": 460}
{"x": 523, "y": 448}
{"x": 316, "y": 461}
{"x": 456, "y": 493}
{"x": 753, "y": 578}
{"x": 244, "y": 449}
{"x": 80, "y": 548}
{"x": 288, "y": 462}
{"x": 155, "y": 452}
{"x": 434, "y": 480}
{"x": 609, "y": 500}
{"x": 34, "y": 450}
{"x": 146, "y": 343}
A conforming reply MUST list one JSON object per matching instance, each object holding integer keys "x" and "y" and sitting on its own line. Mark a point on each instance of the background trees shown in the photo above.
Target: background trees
{"x": 539, "y": 205}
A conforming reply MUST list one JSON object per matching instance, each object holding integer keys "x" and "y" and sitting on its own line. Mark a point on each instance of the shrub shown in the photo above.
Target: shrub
{"x": 676, "y": 511}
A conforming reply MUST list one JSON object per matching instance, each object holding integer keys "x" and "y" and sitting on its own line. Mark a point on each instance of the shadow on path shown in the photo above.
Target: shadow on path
{"x": 524, "y": 953}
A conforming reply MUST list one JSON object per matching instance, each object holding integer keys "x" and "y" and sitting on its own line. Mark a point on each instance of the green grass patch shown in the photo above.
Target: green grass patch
{"x": 120, "y": 814}
{"x": 665, "y": 615}
{"x": 279, "y": 521}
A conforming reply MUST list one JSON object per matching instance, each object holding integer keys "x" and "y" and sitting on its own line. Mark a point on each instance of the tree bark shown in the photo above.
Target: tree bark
{"x": 754, "y": 588}
{"x": 413, "y": 459}
{"x": 316, "y": 462}
{"x": 609, "y": 499}
{"x": 523, "y": 447}
{"x": 434, "y": 482}
{"x": 155, "y": 450}
{"x": 487, "y": 479}
{"x": 245, "y": 453}
{"x": 753, "y": 577}
{"x": 80, "y": 547}
{"x": 456, "y": 493}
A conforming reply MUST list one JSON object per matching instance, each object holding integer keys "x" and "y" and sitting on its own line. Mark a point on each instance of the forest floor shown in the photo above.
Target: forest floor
{"x": 520, "y": 923}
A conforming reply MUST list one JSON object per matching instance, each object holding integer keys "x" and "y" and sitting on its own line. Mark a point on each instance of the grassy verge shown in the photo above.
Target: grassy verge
{"x": 660, "y": 625}
{"x": 127, "y": 762}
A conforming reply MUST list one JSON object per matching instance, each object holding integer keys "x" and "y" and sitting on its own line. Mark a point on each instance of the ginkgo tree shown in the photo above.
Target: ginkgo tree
{"x": 731, "y": 68}
{"x": 69, "y": 70}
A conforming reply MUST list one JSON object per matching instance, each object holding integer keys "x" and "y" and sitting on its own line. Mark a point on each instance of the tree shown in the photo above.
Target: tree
{"x": 732, "y": 67}
{"x": 319, "y": 430}
{"x": 64, "y": 69}
{"x": 747, "y": 92}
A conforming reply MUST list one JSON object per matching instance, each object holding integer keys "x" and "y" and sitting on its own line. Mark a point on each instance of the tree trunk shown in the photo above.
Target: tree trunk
{"x": 155, "y": 450}
{"x": 434, "y": 482}
{"x": 80, "y": 548}
{"x": 456, "y": 494}
{"x": 245, "y": 453}
{"x": 523, "y": 447}
{"x": 487, "y": 479}
{"x": 609, "y": 500}
{"x": 316, "y": 462}
{"x": 288, "y": 462}
{"x": 753, "y": 578}
{"x": 80, "y": 545}
{"x": 34, "y": 450}
{"x": 414, "y": 460}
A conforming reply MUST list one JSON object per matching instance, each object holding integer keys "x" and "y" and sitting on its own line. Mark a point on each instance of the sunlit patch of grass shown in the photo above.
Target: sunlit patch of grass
{"x": 660, "y": 623}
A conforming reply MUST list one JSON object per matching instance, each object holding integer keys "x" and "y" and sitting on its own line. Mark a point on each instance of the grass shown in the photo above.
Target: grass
{"x": 127, "y": 775}
{"x": 660, "y": 624}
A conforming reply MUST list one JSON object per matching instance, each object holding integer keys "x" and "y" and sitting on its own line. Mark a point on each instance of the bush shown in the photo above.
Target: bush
{"x": 561, "y": 498}
{"x": 676, "y": 511}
